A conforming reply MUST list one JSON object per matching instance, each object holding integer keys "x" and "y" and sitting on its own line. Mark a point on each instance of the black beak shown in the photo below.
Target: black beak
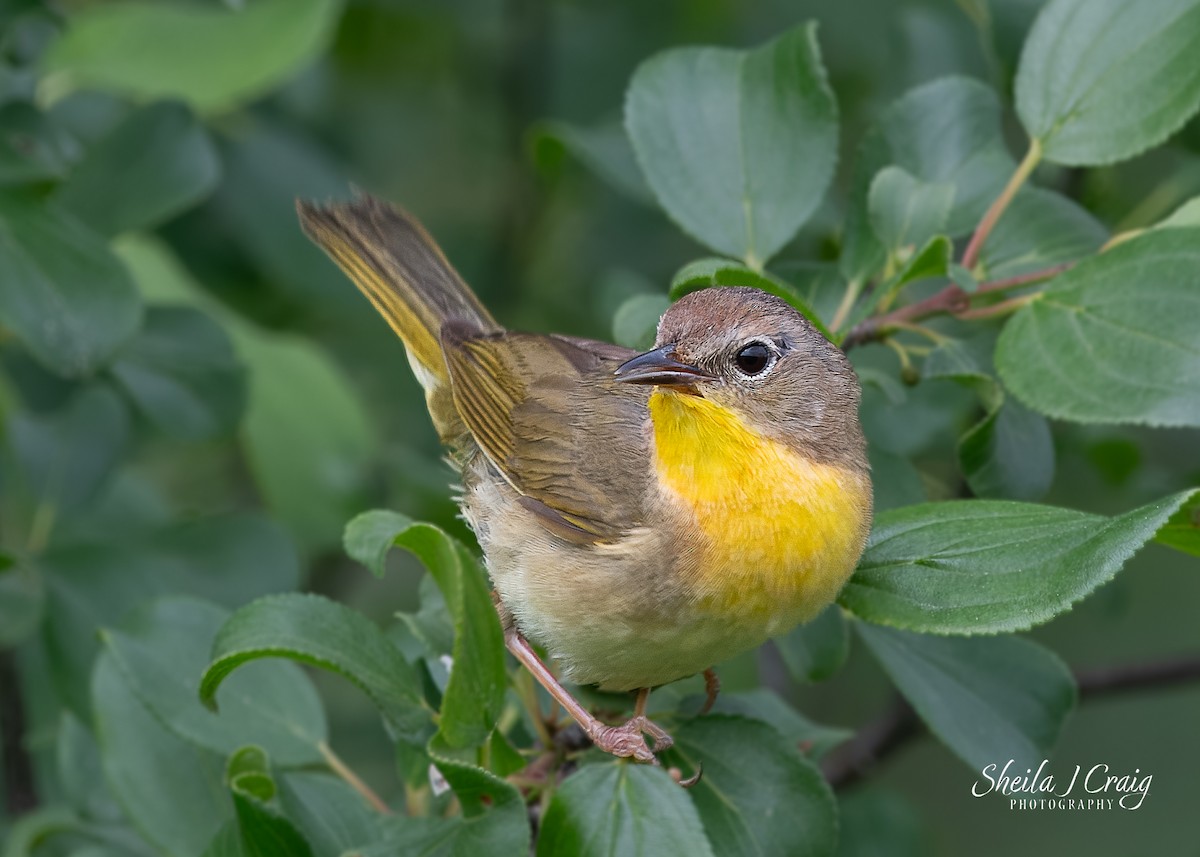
{"x": 660, "y": 367}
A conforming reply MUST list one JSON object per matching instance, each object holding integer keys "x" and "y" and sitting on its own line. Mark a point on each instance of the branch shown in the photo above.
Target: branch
{"x": 951, "y": 300}
{"x": 899, "y": 725}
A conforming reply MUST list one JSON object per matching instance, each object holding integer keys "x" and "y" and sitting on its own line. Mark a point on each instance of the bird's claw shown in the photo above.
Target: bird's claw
{"x": 629, "y": 739}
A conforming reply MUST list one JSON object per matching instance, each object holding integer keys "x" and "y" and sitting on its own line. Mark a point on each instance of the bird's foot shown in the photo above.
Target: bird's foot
{"x": 629, "y": 739}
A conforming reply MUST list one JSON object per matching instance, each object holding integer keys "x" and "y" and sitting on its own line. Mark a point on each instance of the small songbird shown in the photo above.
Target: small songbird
{"x": 642, "y": 516}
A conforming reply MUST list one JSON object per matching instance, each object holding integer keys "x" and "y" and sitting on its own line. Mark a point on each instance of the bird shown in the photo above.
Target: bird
{"x": 642, "y": 516}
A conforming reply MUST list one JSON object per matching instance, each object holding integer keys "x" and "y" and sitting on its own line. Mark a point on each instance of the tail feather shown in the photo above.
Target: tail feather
{"x": 402, "y": 271}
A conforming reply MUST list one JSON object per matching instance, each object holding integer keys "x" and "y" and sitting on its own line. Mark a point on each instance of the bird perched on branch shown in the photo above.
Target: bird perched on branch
{"x": 642, "y": 516}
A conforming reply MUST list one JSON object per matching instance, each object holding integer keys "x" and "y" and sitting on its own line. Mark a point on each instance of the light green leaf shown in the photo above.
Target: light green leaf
{"x": 156, "y": 163}
{"x": 1040, "y": 228}
{"x": 1182, "y": 530}
{"x": 906, "y": 212}
{"x": 475, "y": 693}
{"x": 1114, "y": 339}
{"x": 986, "y": 566}
{"x": 170, "y": 789}
{"x": 210, "y": 57}
{"x": 816, "y": 650}
{"x": 705, "y": 273}
{"x": 1187, "y": 214}
{"x": 162, "y": 650}
{"x": 181, "y": 373}
{"x": 636, "y": 320}
{"x": 989, "y": 699}
{"x": 944, "y": 132}
{"x": 1102, "y": 80}
{"x": 738, "y": 146}
{"x": 758, "y": 793}
{"x": 316, "y": 631}
{"x": 62, "y": 292}
{"x": 616, "y": 808}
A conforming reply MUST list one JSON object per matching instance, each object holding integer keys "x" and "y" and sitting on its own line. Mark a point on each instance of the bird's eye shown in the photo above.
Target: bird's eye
{"x": 754, "y": 359}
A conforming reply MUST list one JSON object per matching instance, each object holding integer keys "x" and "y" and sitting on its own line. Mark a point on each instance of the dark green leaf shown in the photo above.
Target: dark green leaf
{"x": 181, "y": 373}
{"x": 880, "y": 824}
{"x": 812, "y": 739}
{"x": 211, "y": 57}
{"x": 62, "y": 292}
{"x": 620, "y": 808}
{"x": 985, "y": 566}
{"x": 636, "y": 320}
{"x": 1040, "y": 228}
{"x": 816, "y": 650}
{"x": 153, "y": 165}
{"x": 265, "y": 832}
{"x": 906, "y": 212}
{"x": 21, "y": 599}
{"x": 171, "y": 790}
{"x": 743, "y": 174}
{"x": 758, "y": 793}
{"x": 1114, "y": 338}
{"x": 1102, "y": 80}
{"x": 944, "y": 132}
{"x": 162, "y": 650}
{"x": 313, "y": 630}
{"x": 33, "y": 147}
{"x": 64, "y": 459}
{"x": 605, "y": 150}
{"x": 989, "y": 699}
{"x": 894, "y": 479}
{"x": 1182, "y": 530}
{"x": 475, "y": 693}
{"x": 328, "y": 812}
{"x": 704, "y": 273}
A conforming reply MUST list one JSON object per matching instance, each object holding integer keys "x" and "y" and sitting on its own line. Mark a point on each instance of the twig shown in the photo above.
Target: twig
{"x": 951, "y": 300}
{"x": 997, "y": 208}
{"x": 343, "y": 770}
{"x": 897, "y": 726}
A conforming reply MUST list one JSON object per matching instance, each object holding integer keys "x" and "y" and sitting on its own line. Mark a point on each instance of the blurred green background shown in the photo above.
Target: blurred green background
{"x": 494, "y": 123}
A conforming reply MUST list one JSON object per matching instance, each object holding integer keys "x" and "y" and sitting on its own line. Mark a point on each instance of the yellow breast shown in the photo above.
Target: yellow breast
{"x": 779, "y": 533}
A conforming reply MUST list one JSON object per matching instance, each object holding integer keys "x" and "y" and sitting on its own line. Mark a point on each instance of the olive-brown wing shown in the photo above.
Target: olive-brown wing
{"x": 547, "y": 413}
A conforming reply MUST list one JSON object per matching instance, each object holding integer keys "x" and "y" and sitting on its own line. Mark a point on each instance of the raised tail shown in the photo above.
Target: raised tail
{"x": 402, "y": 271}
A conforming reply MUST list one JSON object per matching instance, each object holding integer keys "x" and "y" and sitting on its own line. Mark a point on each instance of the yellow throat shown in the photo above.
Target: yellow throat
{"x": 781, "y": 533}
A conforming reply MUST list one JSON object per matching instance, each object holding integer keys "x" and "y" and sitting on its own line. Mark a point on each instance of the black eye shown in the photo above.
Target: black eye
{"x": 753, "y": 359}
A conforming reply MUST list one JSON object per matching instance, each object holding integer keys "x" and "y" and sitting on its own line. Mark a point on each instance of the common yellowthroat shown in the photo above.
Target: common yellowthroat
{"x": 642, "y": 516}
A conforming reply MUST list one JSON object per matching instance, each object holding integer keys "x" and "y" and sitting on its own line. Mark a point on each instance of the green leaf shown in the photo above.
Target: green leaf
{"x": 605, "y": 150}
{"x": 811, "y": 738}
{"x": 162, "y": 650}
{"x": 493, "y": 821}
{"x": 227, "y": 559}
{"x": 328, "y": 812}
{"x": 1040, "y": 228}
{"x": 171, "y": 790}
{"x": 265, "y": 832}
{"x": 475, "y": 693}
{"x": 156, "y": 163}
{"x": 989, "y": 699}
{"x": 1113, "y": 339}
{"x": 64, "y": 459}
{"x": 1182, "y": 530}
{"x": 636, "y": 320}
{"x": 944, "y": 132}
{"x": 906, "y": 212}
{"x": 212, "y": 57}
{"x": 21, "y": 601}
{"x": 816, "y": 650}
{"x": 33, "y": 148}
{"x": 181, "y": 373}
{"x": 894, "y": 479}
{"x": 758, "y": 793}
{"x": 1009, "y": 454}
{"x": 877, "y": 823}
{"x": 62, "y": 292}
{"x": 306, "y": 436}
{"x": 986, "y": 566}
{"x": 745, "y": 172}
{"x": 316, "y": 631}
{"x": 1102, "y": 80}
{"x": 1187, "y": 214}
{"x": 705, "y": 273}
{"x": 619, "y": 808}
